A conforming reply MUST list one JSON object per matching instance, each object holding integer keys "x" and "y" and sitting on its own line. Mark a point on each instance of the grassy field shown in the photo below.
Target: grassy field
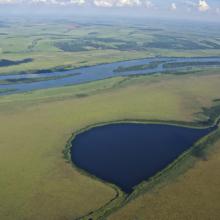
{"x": 69, "y": 44}
{"x": 36, "y": 181}
{"x": 193, "y": 195}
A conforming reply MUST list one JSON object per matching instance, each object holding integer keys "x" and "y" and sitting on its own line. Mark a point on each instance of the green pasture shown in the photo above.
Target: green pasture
{"x": 90, "y": 44}
{"x": 37, "y": 182}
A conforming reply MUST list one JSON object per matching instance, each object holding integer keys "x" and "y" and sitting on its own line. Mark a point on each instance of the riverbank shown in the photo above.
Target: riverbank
{"x": 180, "y": 165}
{"x": 49, "y": 79}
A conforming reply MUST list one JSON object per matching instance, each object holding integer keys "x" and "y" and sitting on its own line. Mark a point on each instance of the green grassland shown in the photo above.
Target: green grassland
{"x": 38, "y": 183}
{"x": 66, "y": 44}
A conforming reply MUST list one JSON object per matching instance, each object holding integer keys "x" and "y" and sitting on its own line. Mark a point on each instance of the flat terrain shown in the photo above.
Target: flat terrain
{"x": 38, "y": 45}
{"x": 37, "y": 182}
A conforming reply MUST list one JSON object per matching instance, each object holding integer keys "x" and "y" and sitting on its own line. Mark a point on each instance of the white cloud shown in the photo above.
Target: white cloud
{"x": 117, "y": 3}
{"x": 47, "y": 2}
{"x": 103, "y": 3}
{"x": 59, "y": 2}
{"x": 187, "y": 5}
{"x": 98, "y": 3}
{"x": 203, "y": 5}
{"x": 78, "y": 2}
{"x": 7, "y": 1}
{"x": 122, "y": 3}
{"x": 173, "y": 6}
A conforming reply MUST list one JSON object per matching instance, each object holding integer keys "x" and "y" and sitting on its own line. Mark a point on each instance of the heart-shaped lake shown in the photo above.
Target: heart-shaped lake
{"x": 126, "y": 154}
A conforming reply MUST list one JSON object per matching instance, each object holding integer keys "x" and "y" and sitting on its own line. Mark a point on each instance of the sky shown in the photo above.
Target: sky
{"x": 195, "y": 9}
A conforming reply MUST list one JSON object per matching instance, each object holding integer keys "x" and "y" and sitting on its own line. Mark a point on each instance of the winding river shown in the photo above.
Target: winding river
{"x": 103, "y": 71}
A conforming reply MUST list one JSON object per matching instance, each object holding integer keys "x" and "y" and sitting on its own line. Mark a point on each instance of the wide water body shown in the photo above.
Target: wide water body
{"x": 127, "y": 154}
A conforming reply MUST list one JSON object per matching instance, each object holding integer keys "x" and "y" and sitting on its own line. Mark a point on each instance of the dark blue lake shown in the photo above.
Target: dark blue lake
{"x": 126, "y": 154}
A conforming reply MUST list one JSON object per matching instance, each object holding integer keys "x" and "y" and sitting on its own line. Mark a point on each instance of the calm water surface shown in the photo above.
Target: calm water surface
{"x": 127, "y": 154}
{"x": 97, "y": 72}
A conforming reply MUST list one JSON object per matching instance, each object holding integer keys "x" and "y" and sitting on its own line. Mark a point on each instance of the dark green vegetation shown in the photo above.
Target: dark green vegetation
{"x": 89, "y": 43}
{"x": 5, "y": 62}
{"x": 64, "y": 44}
{"x": 6, "y": 90}
{"x": 31, "y": 80}
{"x": 190, "y": 64}
{"x": 179, "y": 42}
{"x": 151, "y": 65}
{"x": 159, "y": 42}
{"x": 211, "y": 113}
{"x": 174, "y": 65}
{"x": 211, "y": 44}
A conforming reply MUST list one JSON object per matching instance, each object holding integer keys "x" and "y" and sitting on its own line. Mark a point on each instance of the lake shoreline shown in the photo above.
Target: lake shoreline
{"x": 161, "y": 177}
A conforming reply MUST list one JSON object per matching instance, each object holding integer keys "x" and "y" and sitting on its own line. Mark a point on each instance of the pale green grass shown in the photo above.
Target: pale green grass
{"x": 17, "y": 44}
{"x": 36, "y": 182}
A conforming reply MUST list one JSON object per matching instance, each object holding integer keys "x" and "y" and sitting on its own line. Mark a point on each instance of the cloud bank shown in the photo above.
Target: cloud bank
{"x": 201, "y": 6}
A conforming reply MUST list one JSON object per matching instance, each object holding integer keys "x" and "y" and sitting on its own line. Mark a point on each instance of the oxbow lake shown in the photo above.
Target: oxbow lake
{"x": 128, "y": 153}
